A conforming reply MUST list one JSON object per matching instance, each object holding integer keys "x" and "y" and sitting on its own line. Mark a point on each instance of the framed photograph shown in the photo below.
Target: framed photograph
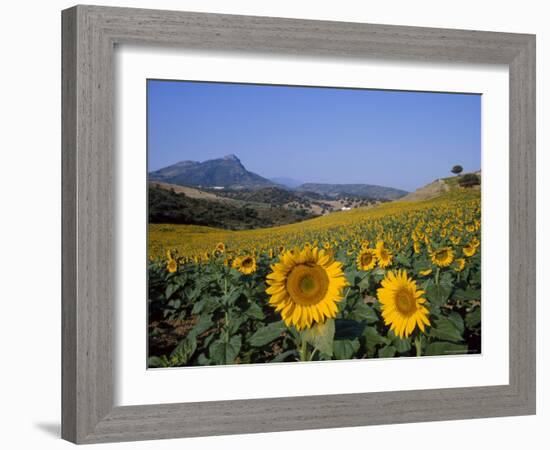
{"x": 278, "y": 224}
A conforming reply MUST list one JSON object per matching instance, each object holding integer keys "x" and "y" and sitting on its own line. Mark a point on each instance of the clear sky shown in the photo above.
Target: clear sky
{"x": 319, "y": 135}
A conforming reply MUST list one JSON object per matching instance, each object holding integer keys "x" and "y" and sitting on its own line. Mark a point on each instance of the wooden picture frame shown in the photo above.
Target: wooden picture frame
{"x": 90, "y": 34}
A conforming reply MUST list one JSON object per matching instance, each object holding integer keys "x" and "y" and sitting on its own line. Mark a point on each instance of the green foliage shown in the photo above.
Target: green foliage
{"x": 469, "y": 180}
{"x": 266, "y": 334}
{"x": 457, "y": 169}
{"x": 321, "y": 336}
{"x": 166, "y": 206}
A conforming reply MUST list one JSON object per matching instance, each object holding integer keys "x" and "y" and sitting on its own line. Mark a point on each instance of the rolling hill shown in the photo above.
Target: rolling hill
{"x": 353, "y": 190}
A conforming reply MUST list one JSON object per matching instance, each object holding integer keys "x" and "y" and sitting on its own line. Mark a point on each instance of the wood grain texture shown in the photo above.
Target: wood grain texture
{"x": 89, "y": 36}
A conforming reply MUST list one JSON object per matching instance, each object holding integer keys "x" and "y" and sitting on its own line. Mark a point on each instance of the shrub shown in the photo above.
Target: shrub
{"x": 469, "y": 180}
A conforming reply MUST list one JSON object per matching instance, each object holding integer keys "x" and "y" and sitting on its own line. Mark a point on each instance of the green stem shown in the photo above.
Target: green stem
{"x": 312, "y": 354}
{"x": 303, "y": 350}
{"x": 437, "y": 276}
{"x": 418, "y": 345}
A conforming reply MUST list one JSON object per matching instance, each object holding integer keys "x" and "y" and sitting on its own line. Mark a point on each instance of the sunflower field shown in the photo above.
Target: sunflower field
{"x": 400, "y": 279}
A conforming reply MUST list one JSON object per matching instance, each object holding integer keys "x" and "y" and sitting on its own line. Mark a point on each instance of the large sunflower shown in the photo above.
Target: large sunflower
{"x": 402, "y": 304}
{"x": 305, "y": 286}
{"x": 443, "y": 257}
{"x": 366, "y": 260}
{"x": 383, "y": 255}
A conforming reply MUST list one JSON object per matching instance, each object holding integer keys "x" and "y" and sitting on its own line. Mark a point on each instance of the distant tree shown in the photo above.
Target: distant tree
{"x": 469, "y": 180}
{"x": 457, "y": 169}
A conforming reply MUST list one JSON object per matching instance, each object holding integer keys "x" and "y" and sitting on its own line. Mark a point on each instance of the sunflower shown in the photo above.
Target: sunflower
{"x": 469, "y": 250}
{"x": 402, "y": 304}
{"x": 305, "y": 287}
{"x": 220, "y": 247}
{"x": 417, "y": 247}
{"x": 383, "y": 255}
{"x": 442, "y": 257}
{"x": 171, "y": 265}
{"x": 245, "y": 264}
{"x": 366, "y": 260}
{"x": 459, "y": 265}
{"x": 425, "y": 273}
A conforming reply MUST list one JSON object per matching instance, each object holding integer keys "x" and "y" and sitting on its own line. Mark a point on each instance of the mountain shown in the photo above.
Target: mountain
{"x": 354, "y": 190}
{"x": 226, "y": 172}
{"x": 287, "y": 182}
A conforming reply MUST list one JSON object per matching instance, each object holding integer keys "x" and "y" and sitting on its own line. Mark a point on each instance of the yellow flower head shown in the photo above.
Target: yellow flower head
{"x": 220, "y": 247}
{"x": 417, "y": 247}
{"x": 245, "y": 264}
{"x": 459, "y": 265}
{"x": 469, "y": 250}
{"x": 442, "y": 257}
{"x": 366, "y": 260}
{"x": 383, "y": 255}
{"x": 402, "y": 304}
{"x": 305, "y": 287}
{"x": 425, "y": 273}
{"x": 172, "y": 265}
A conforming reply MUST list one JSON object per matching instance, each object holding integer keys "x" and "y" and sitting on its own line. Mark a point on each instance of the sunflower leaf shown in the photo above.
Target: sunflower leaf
{"x": 372, "y": 339}
{"x": 345, "y": 348}
{"x": 403, "y": 260}
{"x": 282, "y": 356}
{"x": 321, "y": 336}
{"x": 184, "y": 351}
{"x": 445, "y": 329}
{"x": 438, "y": 294}
{"x": 267, "y": 334}
{"x": 445, "y": 348}
{"x": 457, "y": 321}
{"x": 473, "y": 319}
{"x": 387, "y": 352}
{"x": 171, "y": 288}
{"x": 255, "y": 312}
{"x": 467, "y": 294}
{"x": 158, "y": 361}
{"x": 203, "y": 324}
{"x": 222, "y": 352}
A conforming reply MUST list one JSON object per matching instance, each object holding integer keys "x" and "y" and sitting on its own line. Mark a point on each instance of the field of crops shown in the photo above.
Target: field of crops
{"x": 399, "y": 279}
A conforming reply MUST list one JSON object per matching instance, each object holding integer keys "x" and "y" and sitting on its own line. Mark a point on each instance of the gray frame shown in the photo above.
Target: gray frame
{"x": 89, "y": 36}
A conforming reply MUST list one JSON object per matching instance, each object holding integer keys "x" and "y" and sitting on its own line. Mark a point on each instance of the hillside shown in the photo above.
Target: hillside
{"x": 368, "y": 191}
{"x": 436, "y": 189}
{"x": 226, "y": 172}
{"x": 166, "y": 206}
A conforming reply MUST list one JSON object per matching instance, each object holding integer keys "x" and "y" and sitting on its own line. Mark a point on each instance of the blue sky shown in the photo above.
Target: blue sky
{"x": 390, "y": 138}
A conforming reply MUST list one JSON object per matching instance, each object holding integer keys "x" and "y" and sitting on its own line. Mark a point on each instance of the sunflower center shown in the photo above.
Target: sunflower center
{"x": 405, "y": 302}
{"x": 247, "y": 263}
{"x": 366, "y": 259}
{"x": 383, "y": 254}
{"x": 307, "y": 284}
{"x": 441, "y": 255}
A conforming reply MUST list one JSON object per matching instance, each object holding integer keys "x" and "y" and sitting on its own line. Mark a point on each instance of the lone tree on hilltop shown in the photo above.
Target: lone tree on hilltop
{"x": 457, "y": 169}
